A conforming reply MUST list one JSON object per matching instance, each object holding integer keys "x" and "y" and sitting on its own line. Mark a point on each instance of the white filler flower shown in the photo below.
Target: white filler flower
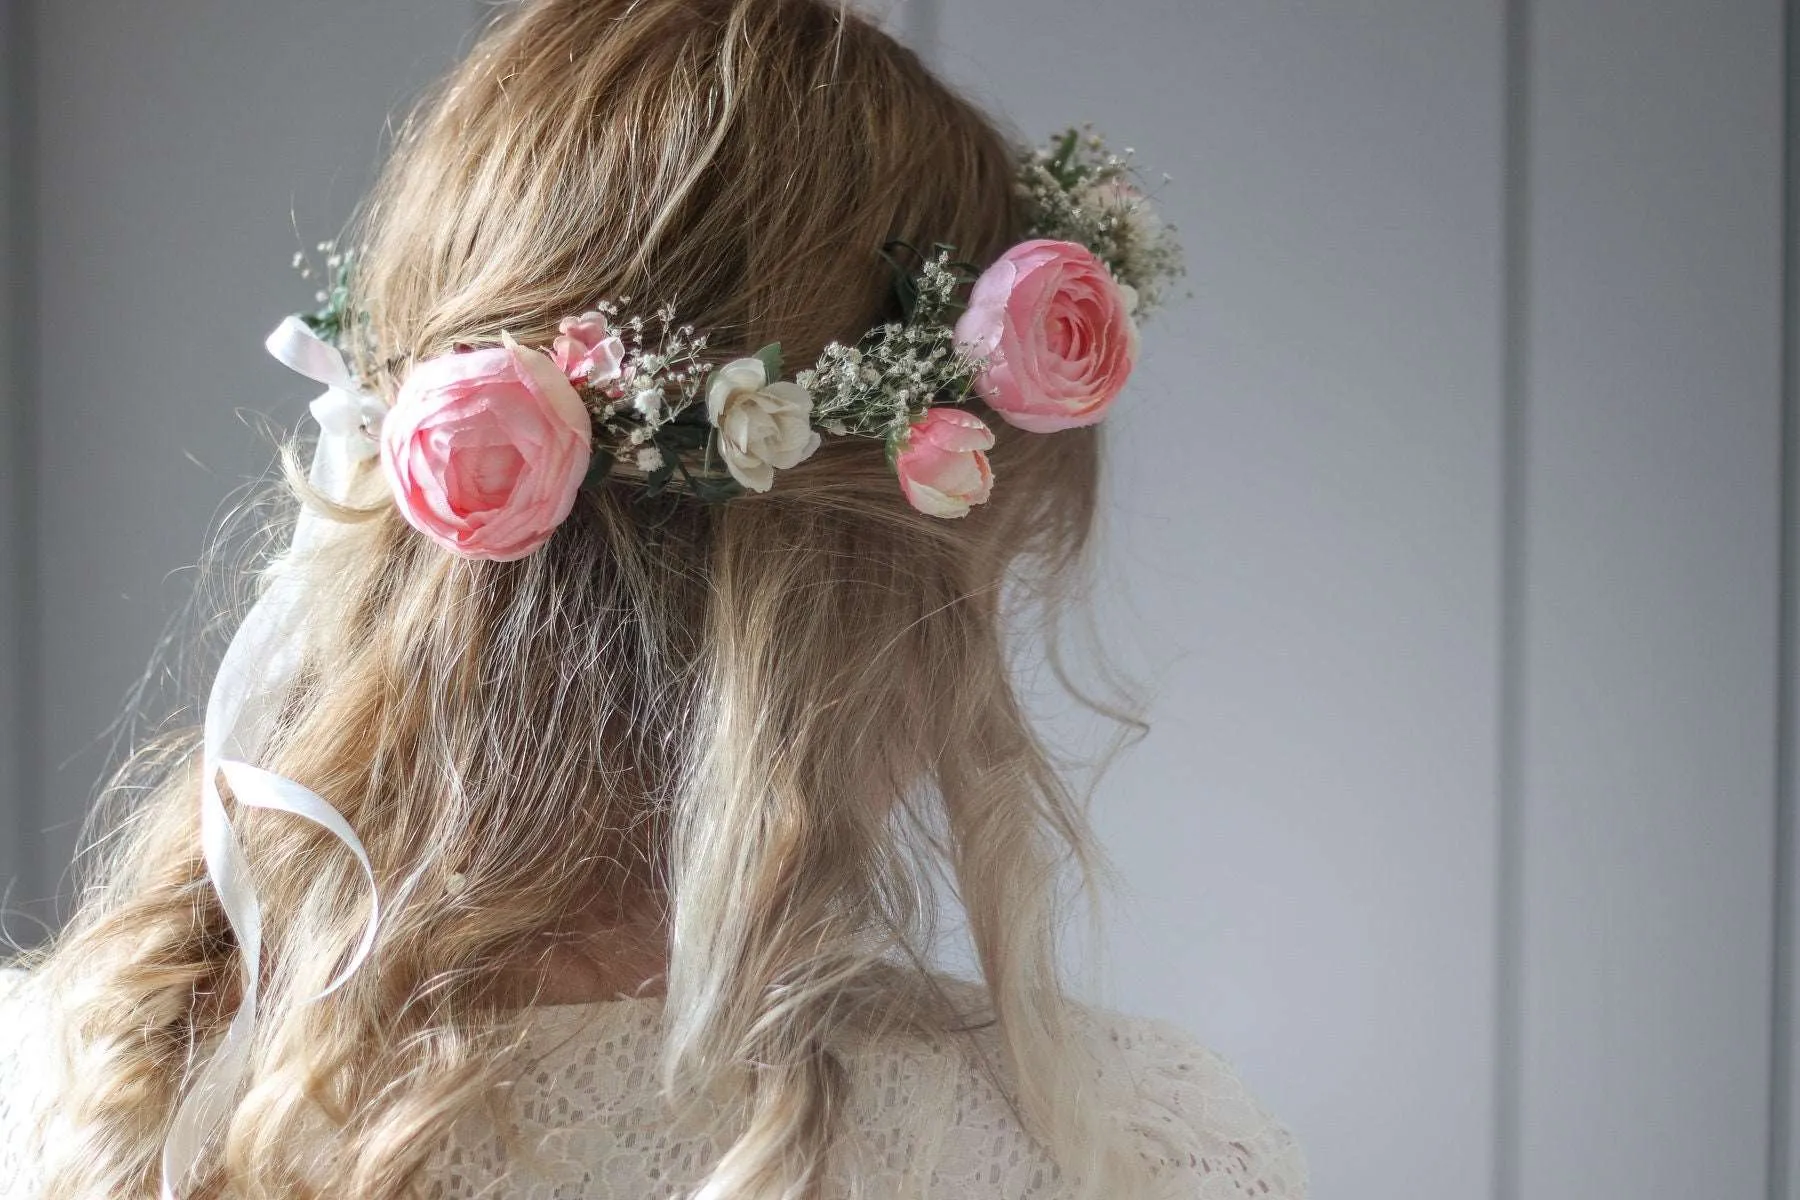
{"x": 761, "y": 425}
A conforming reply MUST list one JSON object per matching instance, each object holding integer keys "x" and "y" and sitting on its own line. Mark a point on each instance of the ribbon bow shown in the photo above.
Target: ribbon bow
{"x": 349, "y": 420}
{"x": 254, "y": 677}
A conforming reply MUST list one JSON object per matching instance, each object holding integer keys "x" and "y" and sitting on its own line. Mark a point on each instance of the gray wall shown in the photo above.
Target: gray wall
{"x": 1305, "y": 525}
{"x": 180, "y": 152}
{"x": 18, "y": 823}
{"x": 1446, "y": 519}
{"x": 1650, "y": 341}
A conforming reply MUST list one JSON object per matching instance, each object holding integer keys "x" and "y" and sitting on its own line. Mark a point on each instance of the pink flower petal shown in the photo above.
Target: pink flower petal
{"x": 485, "y": 450}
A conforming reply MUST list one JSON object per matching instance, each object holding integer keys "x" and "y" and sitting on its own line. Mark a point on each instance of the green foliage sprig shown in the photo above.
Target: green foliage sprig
{"x": 882, "y": 384}
{"x": 652, "y": 416}
{"x": 333, "y": 321}
{"x": 1076, "y": 190}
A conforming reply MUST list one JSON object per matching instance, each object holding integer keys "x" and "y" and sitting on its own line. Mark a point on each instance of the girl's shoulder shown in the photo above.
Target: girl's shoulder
{"x": 1180, "y": 1105}
{"x": 1193, "y": 1115}
{"x": 940, "y": 1108}
{"x": 1188, "y": 1112}
{"x": 924, "y": 1116}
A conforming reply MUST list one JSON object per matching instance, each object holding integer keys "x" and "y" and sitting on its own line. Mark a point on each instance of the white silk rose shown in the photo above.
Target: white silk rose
{"x": 762, "y": 425}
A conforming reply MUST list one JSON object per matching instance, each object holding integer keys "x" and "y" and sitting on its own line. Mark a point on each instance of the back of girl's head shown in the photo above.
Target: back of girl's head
{"x": 746, "y": 163}
{"x": 764, "y": 723}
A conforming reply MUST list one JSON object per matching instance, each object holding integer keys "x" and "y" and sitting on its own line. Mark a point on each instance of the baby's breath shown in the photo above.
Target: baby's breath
{"x": 333, "y": 321}
{"x": 652, "y": 412}
{"x": 887, "y": 380}
{"x": 1076, "y": 190}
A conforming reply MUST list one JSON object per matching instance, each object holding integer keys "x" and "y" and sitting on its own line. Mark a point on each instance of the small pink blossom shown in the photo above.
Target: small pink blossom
{"x": 485, "y": 450}
{"x": 587, "y": 350}
{"x": 1056, "y": 334}
{"x": 943, "y": 470}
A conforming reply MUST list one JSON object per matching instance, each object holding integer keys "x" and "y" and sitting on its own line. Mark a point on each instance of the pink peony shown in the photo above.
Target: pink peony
{"x": 1056, "y": 332}
{"x": 485, "y": 450}
{"x": 588, "y": 351}
{"x": 942, "y": 469}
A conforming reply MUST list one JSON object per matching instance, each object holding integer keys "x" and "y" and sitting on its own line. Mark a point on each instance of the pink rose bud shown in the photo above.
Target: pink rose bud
{"x": 485, "y": 451}
{"x": 588, "y": 351}
{"x": 943, "y": 470}
{"x": 1056, "y": 332}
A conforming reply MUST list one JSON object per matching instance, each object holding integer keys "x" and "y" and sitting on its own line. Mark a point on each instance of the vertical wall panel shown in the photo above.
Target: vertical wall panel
{"x": 1305, "y": 546}
{"x": 1784, "y": 1109}
{"x": 1653, "y": 347}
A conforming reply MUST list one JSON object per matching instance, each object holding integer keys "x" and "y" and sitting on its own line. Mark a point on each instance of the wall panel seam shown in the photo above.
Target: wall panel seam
{"x": 35, "y": 880}
{"x": 1781, "y": 1013}
{"x": 1509, "y": 786}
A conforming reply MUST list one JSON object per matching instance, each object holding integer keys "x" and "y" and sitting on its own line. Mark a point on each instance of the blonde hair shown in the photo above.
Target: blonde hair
{"x": 764, "y": 724}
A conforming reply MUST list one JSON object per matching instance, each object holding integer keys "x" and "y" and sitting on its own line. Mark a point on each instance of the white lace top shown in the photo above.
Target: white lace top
{"x": 923, "y": 1122}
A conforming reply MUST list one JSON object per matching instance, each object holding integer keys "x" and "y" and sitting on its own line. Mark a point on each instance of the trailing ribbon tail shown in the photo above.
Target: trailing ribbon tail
{"x": 254, "y": 676}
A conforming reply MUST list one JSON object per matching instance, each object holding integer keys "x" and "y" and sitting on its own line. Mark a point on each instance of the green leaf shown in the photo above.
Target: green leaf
{"x": 714, "y": 490}
{"x": 896, "y": 442}
{"x": 598, "y": 468}
{"x": 703, "y": 485}
{"x": 659, "y": 478}
{"x": 906, "y": 283}
{"x": 709, "y": 489}
{"x": 770, "y": 357}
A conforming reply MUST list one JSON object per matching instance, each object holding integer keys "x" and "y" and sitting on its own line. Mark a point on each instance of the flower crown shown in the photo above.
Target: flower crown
{"x": 485, "y": 449}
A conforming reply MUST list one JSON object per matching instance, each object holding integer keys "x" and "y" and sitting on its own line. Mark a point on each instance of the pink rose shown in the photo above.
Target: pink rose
{"x": 941, "y": 465}
{"x": 587, "y": 351}
{"x": 484, "y": 451}
{"x": 1056, "y": 332}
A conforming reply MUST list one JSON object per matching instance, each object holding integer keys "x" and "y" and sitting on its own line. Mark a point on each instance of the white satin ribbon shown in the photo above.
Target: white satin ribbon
{"x": 253, "y": 681}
